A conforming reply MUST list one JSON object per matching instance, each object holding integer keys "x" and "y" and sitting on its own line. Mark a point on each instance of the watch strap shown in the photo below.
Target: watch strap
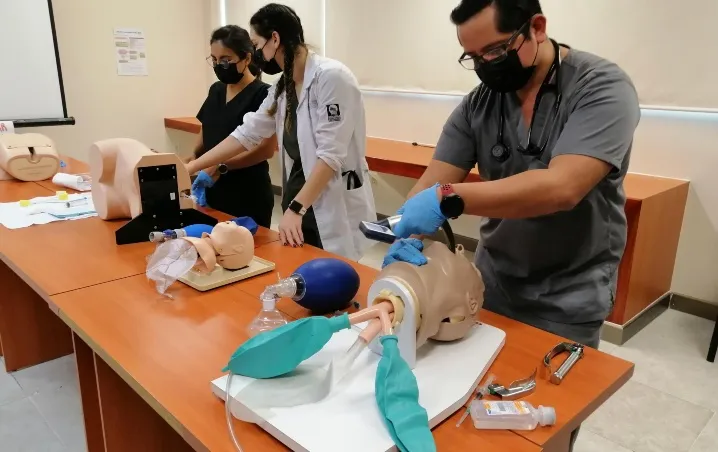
{"x": 447, "y": 190}
{"x": 297, "y": 207}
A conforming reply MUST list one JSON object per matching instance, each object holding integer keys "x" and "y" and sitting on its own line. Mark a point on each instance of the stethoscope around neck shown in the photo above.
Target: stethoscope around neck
{"x": 500, "y": 151}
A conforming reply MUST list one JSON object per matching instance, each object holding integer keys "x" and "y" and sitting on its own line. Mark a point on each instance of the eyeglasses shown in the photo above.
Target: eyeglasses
{"x": 224, "y": 63}
{"x": 498, "y": 53}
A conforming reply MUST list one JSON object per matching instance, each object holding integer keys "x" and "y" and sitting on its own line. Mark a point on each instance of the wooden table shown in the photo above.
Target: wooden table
{"x": 75, "y": 254}
{"x": 145, "y": 362}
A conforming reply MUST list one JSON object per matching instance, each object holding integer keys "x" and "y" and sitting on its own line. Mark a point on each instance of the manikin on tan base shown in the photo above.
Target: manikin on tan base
{"x": 27, "y": 157}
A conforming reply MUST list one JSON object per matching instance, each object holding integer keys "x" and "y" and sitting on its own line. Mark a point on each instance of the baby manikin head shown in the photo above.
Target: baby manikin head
{"x": 229, "y": 245}
{"x": 448, "y": 289}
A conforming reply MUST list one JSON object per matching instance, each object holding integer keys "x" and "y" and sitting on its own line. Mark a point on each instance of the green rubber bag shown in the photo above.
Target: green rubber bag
{"x": 397, "y": 395}
{"x": 278, "y": 351}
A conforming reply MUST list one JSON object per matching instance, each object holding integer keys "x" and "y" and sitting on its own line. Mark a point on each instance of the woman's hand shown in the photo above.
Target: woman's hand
{"x": 290, "y": 229}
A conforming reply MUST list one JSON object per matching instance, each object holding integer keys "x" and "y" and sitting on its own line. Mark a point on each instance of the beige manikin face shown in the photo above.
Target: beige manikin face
{"x": 229, "y": 245}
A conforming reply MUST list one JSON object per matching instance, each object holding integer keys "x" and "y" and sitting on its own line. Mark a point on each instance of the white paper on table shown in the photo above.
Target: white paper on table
{"x": 130, "y": 52}
{"x": 7, "y": 127}
{"x": 46, "y": 209}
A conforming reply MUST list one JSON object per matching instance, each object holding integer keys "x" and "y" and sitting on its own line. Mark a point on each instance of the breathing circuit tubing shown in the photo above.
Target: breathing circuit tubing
{"x": 228, "y": 414}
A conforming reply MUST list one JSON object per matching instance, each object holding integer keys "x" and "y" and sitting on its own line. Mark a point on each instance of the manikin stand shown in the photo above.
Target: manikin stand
{"x": 160, "y": 198}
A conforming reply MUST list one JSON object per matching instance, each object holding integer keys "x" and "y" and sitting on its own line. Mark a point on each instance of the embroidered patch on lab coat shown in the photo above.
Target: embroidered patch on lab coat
{"x": 333, "y": 113}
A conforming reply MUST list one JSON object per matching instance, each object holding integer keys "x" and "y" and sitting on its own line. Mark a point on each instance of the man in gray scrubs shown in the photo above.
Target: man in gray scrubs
{"x": 554, "y": 228}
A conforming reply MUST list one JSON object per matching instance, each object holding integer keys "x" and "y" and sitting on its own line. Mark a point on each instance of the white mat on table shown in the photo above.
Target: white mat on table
{"x": 41, "y": 210}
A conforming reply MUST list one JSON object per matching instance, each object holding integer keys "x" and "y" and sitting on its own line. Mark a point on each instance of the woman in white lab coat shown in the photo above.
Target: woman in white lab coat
{"x": 317, "y": 113}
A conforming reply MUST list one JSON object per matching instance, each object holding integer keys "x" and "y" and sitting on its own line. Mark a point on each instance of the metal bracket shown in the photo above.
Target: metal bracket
{"x": 576, "y": 353}
{"x": 517, "y": 389}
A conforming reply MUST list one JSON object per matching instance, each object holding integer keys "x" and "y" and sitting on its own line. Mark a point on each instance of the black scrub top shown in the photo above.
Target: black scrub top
{"x": 296, "y": 181}
{"x": 245, "y": 191}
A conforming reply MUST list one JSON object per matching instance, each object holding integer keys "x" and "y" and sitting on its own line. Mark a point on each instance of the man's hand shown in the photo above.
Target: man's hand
{"x": 290, "y": 229}
{"x": 421, "y": 214}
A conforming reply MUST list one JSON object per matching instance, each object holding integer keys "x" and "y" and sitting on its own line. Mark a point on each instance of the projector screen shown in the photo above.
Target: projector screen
{"x": 31, "y": 91}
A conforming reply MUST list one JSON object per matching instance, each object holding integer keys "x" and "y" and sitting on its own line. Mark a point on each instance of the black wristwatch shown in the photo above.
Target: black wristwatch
{"x": 297, "y": 207}
{"x": 222, "y": 168}
{"x": 451, "y": 205}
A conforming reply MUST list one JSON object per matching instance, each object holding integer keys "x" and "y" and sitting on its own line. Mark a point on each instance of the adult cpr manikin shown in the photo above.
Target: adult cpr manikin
{"x": 27, "y": 157}
{"x": 115, "y": 187}
{"x": 338, "y": 211}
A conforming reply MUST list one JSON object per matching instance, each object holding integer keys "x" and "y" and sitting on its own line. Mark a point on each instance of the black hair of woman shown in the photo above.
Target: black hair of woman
{"x": 237, "y": 40}
{"x": 282, "y": 19}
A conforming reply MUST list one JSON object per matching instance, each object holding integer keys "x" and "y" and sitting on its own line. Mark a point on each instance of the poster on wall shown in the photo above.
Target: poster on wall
{"x": 131, "y": 52}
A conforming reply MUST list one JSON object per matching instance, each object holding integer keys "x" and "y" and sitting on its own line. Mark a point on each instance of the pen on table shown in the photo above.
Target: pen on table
{"x": 423, "y": 145}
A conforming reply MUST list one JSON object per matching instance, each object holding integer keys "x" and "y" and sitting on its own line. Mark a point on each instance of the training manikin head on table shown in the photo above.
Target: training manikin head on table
{"x": 316, "y": 112}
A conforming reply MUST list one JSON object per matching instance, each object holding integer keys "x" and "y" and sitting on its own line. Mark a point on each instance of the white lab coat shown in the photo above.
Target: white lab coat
{"x": 330, "y": 126}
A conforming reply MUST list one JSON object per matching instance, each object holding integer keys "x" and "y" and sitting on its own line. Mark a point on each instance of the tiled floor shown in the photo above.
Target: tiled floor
{"x": 670, "y": 405}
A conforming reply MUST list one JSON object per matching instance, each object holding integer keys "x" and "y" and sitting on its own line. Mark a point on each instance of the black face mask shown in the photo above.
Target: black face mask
{"x": 229, "y": 75}
{"x": 505, "y": 75}
{"x": 270, "y": 67}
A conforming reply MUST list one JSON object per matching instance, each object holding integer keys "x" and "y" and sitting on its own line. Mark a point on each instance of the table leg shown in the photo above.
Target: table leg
{"x": 128, "y": 422}
{"x": 559, "y": 443}
{"x": 31, "y": 332}
{"x": 85, "y": 358}
{"x": 713, "y": 347}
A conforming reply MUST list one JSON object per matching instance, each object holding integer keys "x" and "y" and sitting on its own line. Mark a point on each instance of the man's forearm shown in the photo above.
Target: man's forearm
{"x": 223, "y": 152}
{"x": 529, "y": 194}
{"x": 313, "y": 187}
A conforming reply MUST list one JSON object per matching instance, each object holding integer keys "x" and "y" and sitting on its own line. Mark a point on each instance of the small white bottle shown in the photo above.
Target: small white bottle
{"x": 510, "y": 415}
{"x": 268, "y": 318}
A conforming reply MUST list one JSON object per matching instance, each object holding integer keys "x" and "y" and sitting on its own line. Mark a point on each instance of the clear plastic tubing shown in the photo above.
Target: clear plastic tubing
{"x": 510, "y": 415}
{"x": 228, "y": 414}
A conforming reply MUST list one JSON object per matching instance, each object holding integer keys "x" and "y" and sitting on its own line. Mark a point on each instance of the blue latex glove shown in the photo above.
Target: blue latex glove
{"x": 248, "y": 223}
{"x": 200, "y": 184}
{"x": 405, "y": 250}
{"x": 397, "y": 395}
{"x": 420, "y": 214}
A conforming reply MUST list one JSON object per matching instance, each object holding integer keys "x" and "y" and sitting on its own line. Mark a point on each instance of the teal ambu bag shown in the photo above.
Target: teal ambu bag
{"x": 278, "y": 351}
{"x": 397, "y": 395}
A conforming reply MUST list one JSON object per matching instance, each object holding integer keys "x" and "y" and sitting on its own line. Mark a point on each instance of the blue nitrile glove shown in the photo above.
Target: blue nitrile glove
{"x": 405, "y": 250}
{"x": 420, "y": 214}
{"x": 201, "y": 182}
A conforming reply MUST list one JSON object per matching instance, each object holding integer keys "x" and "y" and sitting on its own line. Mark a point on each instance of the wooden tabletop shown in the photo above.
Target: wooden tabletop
{"x": 170, "y": 350}
{"x": 76, "y": 253}
{"x": 404, "y": 159}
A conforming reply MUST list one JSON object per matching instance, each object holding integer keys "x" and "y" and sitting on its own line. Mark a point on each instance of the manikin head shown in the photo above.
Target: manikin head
{"x": 449, "y": 290}
{"x": 232, "y": 54}
{"x": 503, "y": 41}
{"x": 229, "y": 245}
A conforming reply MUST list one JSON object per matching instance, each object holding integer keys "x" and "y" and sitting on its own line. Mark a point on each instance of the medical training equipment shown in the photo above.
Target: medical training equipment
{"x": 130, "y": 181}
{"x": 321, "y": 285}
{"x": 516, "y": 390}
{"x": 269, "y": 317}
{"x": 575, "y": 351}
{"x": 383, "y": 231}
{"x": 79, "y": 182}
{"x": 27, "y": 157}
{"x": 418, "y": 304}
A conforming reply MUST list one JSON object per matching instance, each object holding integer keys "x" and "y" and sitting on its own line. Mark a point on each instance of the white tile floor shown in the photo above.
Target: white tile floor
{"x": 669, "y": 405}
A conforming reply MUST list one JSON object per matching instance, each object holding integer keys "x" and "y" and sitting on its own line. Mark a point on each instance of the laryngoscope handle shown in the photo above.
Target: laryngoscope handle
{"x": 445, "y": 228}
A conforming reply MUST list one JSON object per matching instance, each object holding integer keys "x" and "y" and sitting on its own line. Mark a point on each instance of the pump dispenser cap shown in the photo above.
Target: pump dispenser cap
{"x": 546, "y": 415}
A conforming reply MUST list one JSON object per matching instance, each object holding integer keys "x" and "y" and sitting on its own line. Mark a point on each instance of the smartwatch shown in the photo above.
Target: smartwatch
{"x": 222, "y": 168}
{"x": 451, "y": 205}
{"x": 297, "y": 207}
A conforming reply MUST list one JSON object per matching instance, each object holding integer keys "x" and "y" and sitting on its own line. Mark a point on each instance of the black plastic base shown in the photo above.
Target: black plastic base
{"x": 138, "y": 230}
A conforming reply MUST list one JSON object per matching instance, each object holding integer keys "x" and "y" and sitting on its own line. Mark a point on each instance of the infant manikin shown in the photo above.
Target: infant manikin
{"x": 113, "y": 168}
{"x": 229, "y": 246}
{"x": 27, "y": 157}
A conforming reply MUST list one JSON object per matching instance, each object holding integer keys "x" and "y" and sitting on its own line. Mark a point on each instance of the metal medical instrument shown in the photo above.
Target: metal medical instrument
{"x": 575, "y": 351}
{"x": 517, "y": 389}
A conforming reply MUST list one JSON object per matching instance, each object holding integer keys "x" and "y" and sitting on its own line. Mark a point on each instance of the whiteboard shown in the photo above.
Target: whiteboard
{"x": 30, "y": 77}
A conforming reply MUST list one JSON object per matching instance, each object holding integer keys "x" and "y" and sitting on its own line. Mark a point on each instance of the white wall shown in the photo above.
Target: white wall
{"x": 670, "y": 144}
{"x": 106, "y": 105}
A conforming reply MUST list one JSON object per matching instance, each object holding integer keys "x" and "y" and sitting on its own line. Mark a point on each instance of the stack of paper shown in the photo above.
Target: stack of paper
{"x": 46, "y": 209}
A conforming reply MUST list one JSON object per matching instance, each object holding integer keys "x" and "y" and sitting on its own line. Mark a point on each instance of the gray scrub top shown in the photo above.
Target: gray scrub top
{"x": 560, "y": 267}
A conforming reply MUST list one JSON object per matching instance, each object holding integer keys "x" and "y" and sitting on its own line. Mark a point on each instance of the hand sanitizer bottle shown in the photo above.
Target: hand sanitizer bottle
{"x": 510, "y": 415}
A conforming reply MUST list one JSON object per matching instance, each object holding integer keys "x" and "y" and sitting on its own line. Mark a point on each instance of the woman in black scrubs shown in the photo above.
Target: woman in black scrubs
{"x": 242, "y": 185}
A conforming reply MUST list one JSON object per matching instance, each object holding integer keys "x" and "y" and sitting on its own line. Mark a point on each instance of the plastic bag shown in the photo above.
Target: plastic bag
{"x": 170, "y": 261}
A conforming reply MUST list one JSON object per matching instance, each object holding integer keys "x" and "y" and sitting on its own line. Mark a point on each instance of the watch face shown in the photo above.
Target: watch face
{"x": 452, "y": 206}
{"x": 222, "y": 168}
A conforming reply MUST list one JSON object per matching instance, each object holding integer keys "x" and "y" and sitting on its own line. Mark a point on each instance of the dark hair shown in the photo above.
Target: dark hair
{"x": 511, "y": 14}
{"x": 237, "y": 39}
{"x": 282, "y": 19}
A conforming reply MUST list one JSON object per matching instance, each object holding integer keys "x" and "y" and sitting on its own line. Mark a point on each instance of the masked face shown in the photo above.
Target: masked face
{"x": 228, "y": 73}
{"x": 505, "y": 75}
{"x": 268, "y": 66}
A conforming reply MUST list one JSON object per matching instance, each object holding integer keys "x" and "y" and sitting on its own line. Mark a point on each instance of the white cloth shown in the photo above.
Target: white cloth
{"x": 331, "y": 126}
{"x": 46, "y": 209}
{"x": 75, "y": 181}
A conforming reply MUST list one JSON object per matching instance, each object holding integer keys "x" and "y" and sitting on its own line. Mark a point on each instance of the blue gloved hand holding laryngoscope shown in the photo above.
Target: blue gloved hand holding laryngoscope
{"x": 202, "y": 182}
